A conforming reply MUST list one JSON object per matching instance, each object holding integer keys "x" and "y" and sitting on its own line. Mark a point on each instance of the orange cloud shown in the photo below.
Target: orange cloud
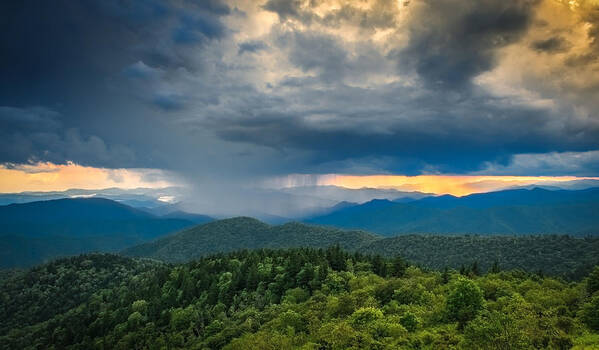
{"x": 60, "y": 177}
{"x": 442, "y": 184}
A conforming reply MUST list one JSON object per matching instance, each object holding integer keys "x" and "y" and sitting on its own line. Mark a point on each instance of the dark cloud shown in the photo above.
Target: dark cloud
{"x": 45, "y": 44}
{"x": 378, "y": 16}
{"x": 442, "y": 123}
{"x": 316, "y": 52}
{"x": 555, "y": 44}
{"x": 80, "y": 59}
{"x": 284, "y": 8}
{"x": 420, "y": 134}
{"x": 37, "y": 134}
{"x": 168, "y": 102}
{"x": 251, "y": 46}
{"x": 452, "y": 41}
{"x": 196, "y": 29}
{"x": 140, "y": 70}
{"x": 171, "y": 85}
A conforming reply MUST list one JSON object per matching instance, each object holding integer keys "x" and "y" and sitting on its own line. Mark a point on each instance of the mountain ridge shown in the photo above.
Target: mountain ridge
{"x": 35, "y": 232}
{"x": 520, "y": 211}
{"x": 245, "y": 233}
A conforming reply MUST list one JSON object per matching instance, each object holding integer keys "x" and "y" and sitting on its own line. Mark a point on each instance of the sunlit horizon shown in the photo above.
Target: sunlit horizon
{"x": 457, "y": 185}
{"x": 47, "y": 177}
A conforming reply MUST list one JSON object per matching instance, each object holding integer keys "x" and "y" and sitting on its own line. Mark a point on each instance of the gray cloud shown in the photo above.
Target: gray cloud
{"x": 208, "y": 91}
{"x": 37, "y": 134}
{"x": 97, "y": 65}
{"x": 547, "y": 164}
{"x": 378, "y": 16}
{"x": 552, "y": 45}
{"x": 451, "y": 41}
{"x": 251, "y": 46}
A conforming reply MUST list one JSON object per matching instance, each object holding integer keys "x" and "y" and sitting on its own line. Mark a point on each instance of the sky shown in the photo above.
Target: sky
{"x": 230, "y": 94}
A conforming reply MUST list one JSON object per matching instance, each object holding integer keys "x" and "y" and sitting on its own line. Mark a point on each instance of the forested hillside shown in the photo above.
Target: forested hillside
{"x": 40, "y": 293}
{"x": 245, "y": 233}
{"x": 535, "y": 211}
{"x": 565, "y": 256}
{"x": 284, "y": 299}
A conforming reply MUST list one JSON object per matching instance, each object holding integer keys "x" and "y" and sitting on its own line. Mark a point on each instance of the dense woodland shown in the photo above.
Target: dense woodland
{"x": 555, "y": 255}
{"x": 246, "y": 233}
{"x": 297, "y": 298}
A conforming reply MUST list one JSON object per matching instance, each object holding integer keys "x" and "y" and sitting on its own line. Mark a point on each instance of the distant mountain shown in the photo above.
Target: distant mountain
{"x": 272, "y": 219}
{"x": 521, "y": 211}
{"x": 532, "y": 196}
{"x": 195, "y": 218}
{"x": 137, "y": 197}
{"x": 245, "y": 233}
{"x": 34, "y": 232}
{"x": 564, "y": 185}
{"x": 360, "y": 195}
{"x": 81, "y": 217}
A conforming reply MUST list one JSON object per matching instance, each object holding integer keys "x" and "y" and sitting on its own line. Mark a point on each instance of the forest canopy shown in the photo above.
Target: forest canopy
{"x": 296, "y": 298}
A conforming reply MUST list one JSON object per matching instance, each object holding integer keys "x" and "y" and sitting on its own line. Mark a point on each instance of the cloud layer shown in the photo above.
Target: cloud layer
{"x": 236, "y": 91}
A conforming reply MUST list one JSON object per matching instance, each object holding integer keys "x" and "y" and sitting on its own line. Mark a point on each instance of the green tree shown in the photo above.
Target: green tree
{"x": 495, "y": 268}
{"x": 445, "y": 275}
{"x": 182, "y": 319}
{"x": 465, "y": 301}
{"x": 495, "y": 330}
{"x": 590, "y": 313}
{"x": 409, "y": 321}
{"x": 474, "y": 269}
{"x": 399, "y": 267}
{"x": 140, "y": 306}
{"x": 363, "y": 316}
{"x": 593, "y": 281}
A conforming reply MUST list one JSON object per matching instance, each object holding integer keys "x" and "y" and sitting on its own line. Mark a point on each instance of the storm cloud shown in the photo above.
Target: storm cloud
{"x": 241, "y": 90}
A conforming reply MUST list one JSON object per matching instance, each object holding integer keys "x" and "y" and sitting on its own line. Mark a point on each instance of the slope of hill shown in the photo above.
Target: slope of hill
{"x": 37, "y": 294}
{"x": 21, "y": 251}
{"x": 34, "y": 232}
{"x": 565, "y": 256}
{"x": 245, "y": 233}
{"x": 522, "y": 211}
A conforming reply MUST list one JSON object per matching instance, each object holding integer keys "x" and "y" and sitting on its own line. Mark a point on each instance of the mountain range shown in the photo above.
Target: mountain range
{"x": 34, "y": 232}
{"x": 136, "y": 197}
{"x": 271, "y": 205}
{"x": 518, "y": 211}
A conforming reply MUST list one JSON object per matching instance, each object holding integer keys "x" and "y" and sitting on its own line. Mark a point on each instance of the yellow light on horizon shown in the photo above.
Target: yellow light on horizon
{"x": 457, "y": 185}
{"x": 61, "y": 177}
